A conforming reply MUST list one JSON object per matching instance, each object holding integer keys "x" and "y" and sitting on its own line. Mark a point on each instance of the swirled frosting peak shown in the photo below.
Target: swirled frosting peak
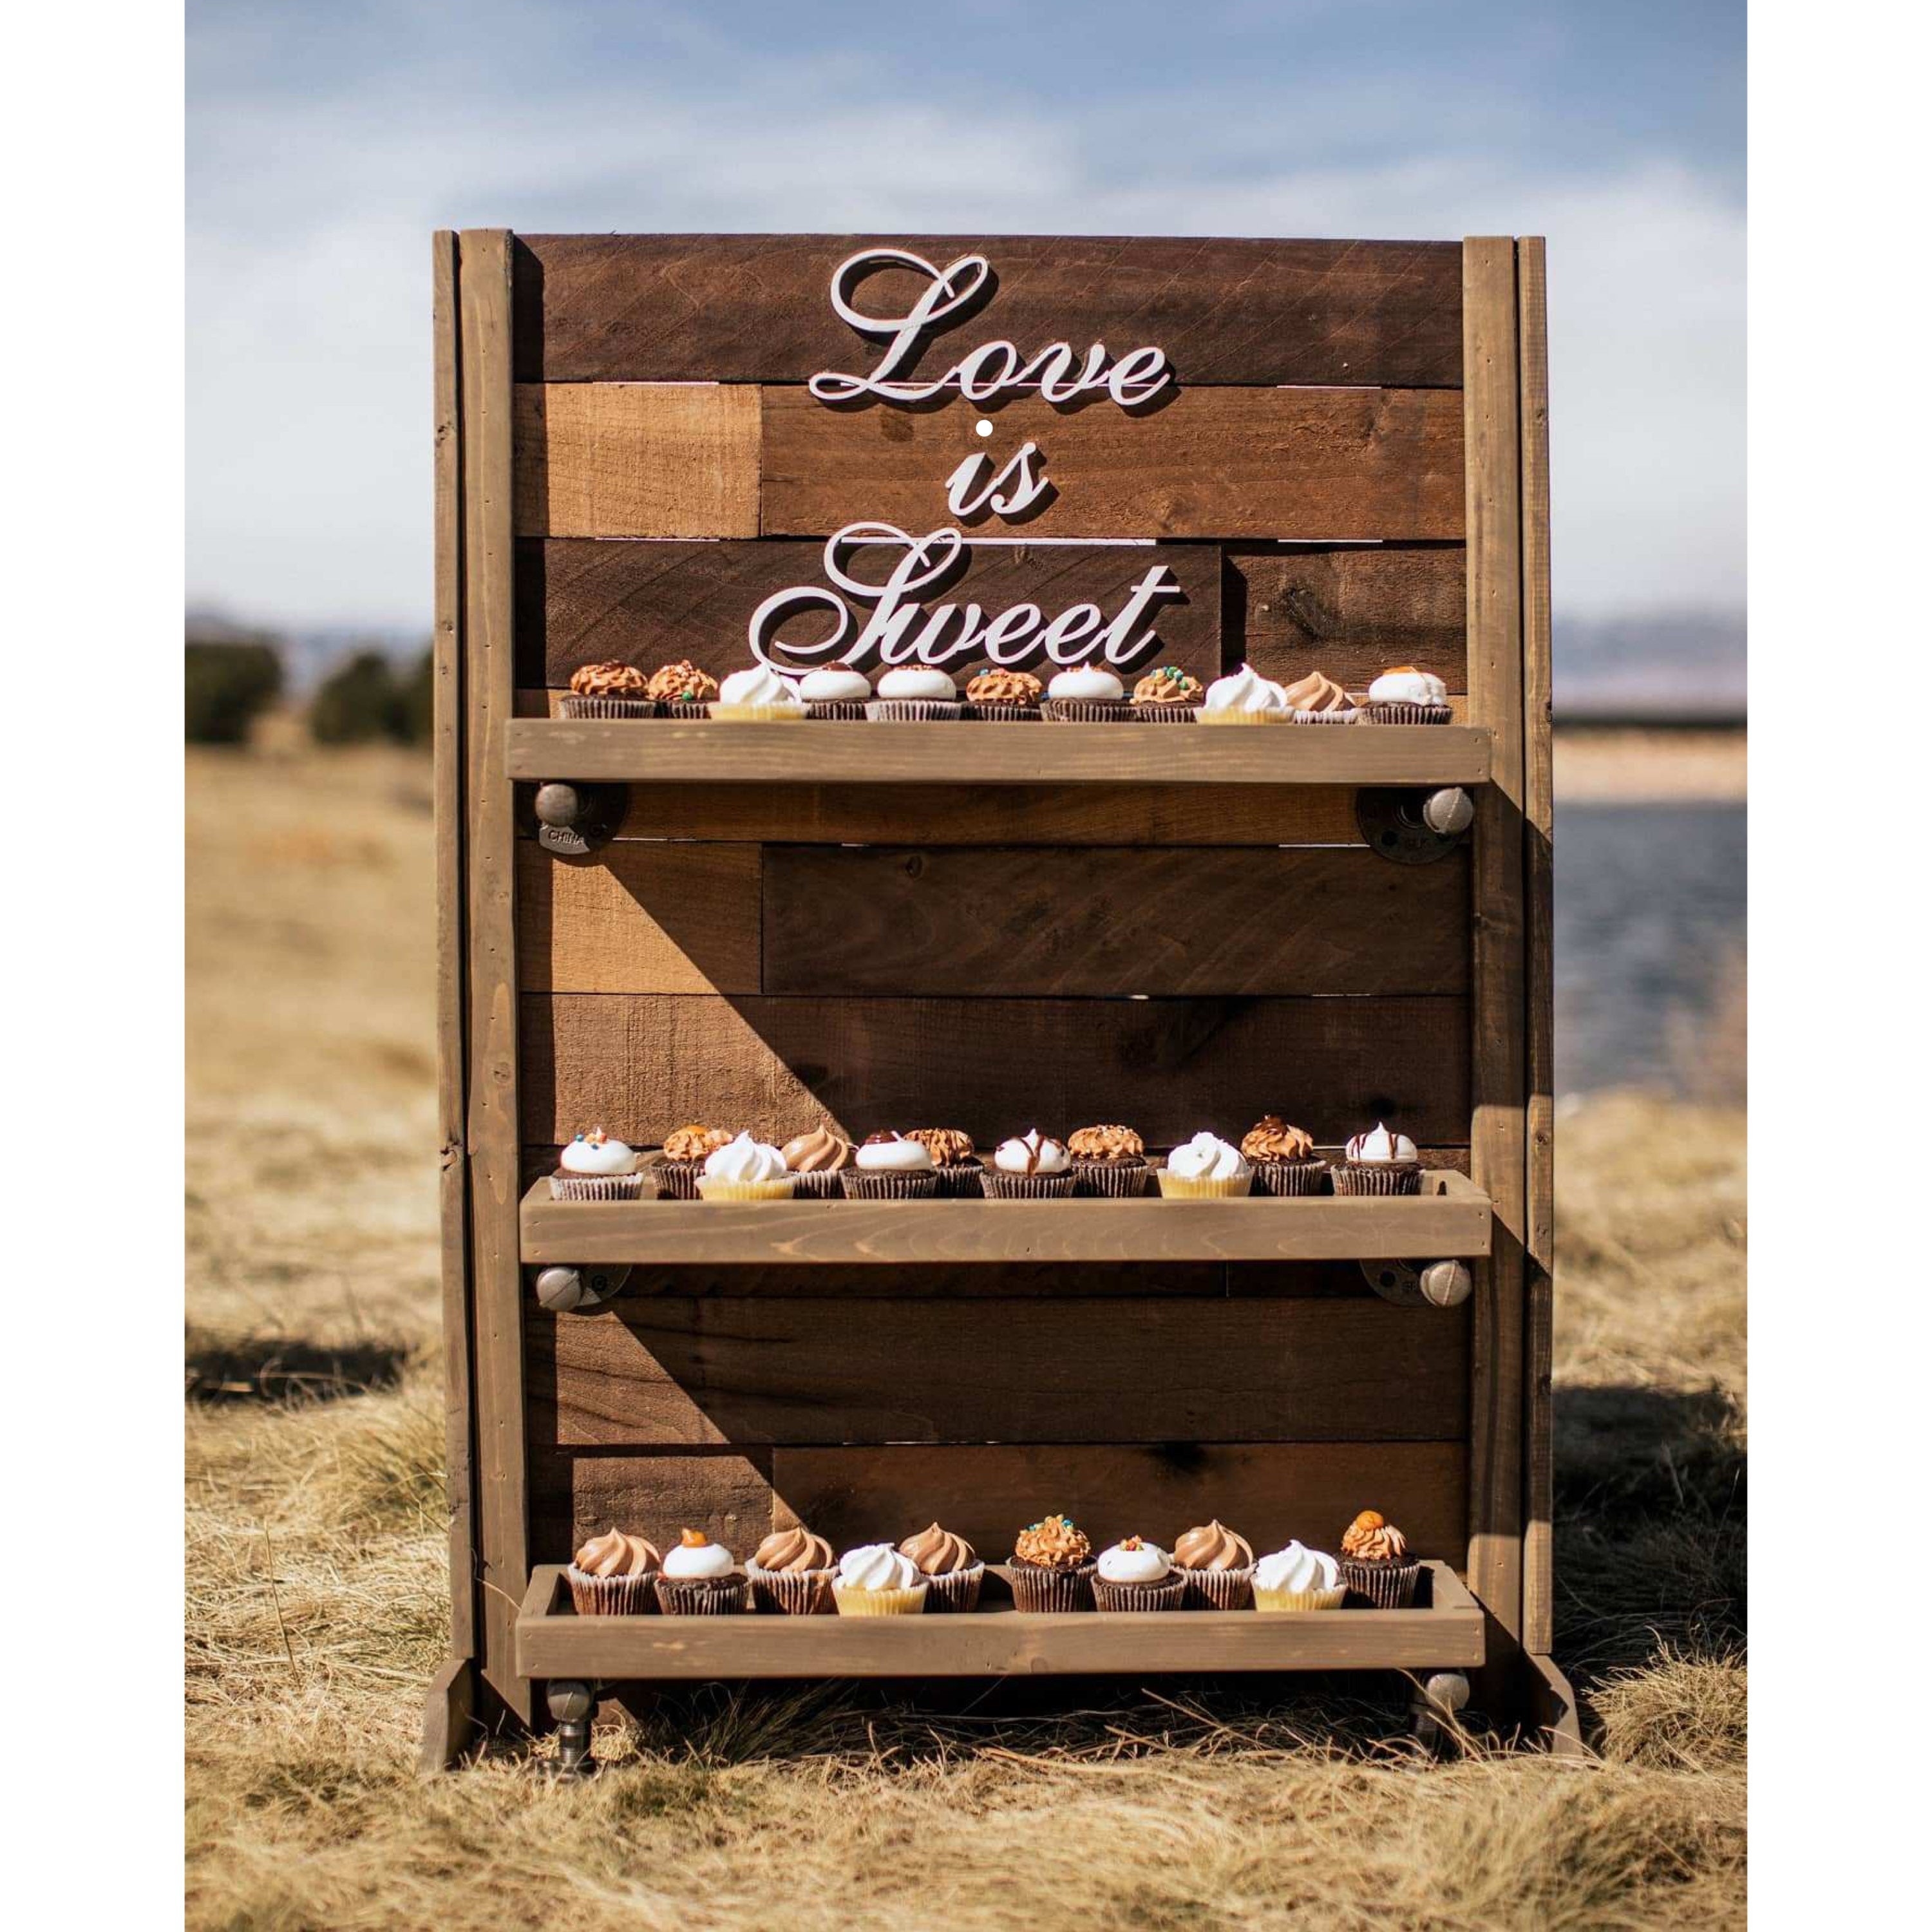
{"x": 792, "y": 1550}
{"x": 876, "y": 1566}
{"x": 1316, "y": 694}
{"x": 935, "y": 1552}
{"x": 1382, "y": 1148}
{"x": 759, "y": 685}
{"x": 1245, "y": 690}
{"x": 1405, "y": 684}
{"x": 617, "y": 1555}
{"x": 1207, "y": 1158}
{"x": 1272, "y": 1139}
{"x": 695, "y": 1555}
{"x": 1212, "y": 1546}
{"x": 745, "y": 1159}
{"x": 1297, "y": 1568}
{"x": 1373, "y": 1539}
{"x": 1105, "y": 1143}
{"x": 610, "y": 680}
{"x": 1052, "y": 1543}
{"x": 821, "y": 1151}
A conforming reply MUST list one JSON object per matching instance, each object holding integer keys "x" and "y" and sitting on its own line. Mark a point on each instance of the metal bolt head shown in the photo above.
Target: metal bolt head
{"x": 1445, "y": 1284}
{"x": 558, "y": 804}
{"x": 1448, "y": 1690}
{"x": 1449, "y": 810}
{"x": 570, "y": 1703}
{"x": 561, "y": 1289}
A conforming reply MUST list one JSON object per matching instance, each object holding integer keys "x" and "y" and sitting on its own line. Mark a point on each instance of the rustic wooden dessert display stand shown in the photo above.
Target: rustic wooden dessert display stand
{"x": 994, "y": 927}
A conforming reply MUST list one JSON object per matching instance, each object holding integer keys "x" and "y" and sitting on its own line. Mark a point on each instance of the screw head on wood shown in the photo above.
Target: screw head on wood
{"x": 570, "y": 1702}
{"x": 1445, "y": 1284}
{"x": 561, "y": 1289}
{"x": 1447, "y": 1690}
{"x": 1449, "y": 810}
{"x": 559, "y": 805}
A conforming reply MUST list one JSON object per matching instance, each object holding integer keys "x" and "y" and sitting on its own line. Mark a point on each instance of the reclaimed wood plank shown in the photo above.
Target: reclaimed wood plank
{"x": 575, "y": 1495}
{"x": 755, "y": 308}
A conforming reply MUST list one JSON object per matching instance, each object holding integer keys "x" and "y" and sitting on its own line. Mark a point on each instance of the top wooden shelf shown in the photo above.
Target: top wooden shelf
{"x": 647, "y": 752}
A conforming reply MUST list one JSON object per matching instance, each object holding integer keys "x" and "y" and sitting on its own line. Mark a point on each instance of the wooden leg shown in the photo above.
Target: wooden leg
{"x": 572, "y": 1704}
{"x": 1553, "y": 1707}
{"x": 448, "y": 1718}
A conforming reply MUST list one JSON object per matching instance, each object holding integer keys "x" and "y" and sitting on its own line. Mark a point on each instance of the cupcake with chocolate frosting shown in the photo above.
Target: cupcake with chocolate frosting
{"x": 889, "y": 1167}
{"x": 1317, "y": 699}
{"x": 1377, "y": 1562}
{"x": 953, "y": 1159}
{"x": 997, "y": 695}
{"x": 875, "y": 1580}
{"x": 1283, "y": 1157}
{"x": 1379, "y": 1163}
{"x": 1216, "y": 1565}
{"x": 1407, "y": 696}
{"x": 681, "y": 690}
{"x": 1052, "y": 1567}
{"x": 1110, "y": 1161}
{"x": 1029, "y": 1167}
{"x": 596, "y": 1166}
{"x": 608, "y": 690}
{"x": 1298, "y": 1578}
{"x": 1086, "y": 695}
{"x": 914, "y": 694}
{"x": 1134, "y": 1574}
{"x": 1168, "y": 696}
{"x": 685, "y": 1154}
{"x": 953, "y": 1573}
{"x": 700, "y": 1578}
{"x": 610, "y": 1576}
{"x": 816, "y": 1160}
{"x": 791, "y": 1573}
{"x": 834, "y": 692}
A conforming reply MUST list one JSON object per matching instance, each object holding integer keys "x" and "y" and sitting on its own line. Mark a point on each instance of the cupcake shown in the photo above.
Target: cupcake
{"x": 1284, "y": 1157}
{"x": 953, "y": 1158}
{"x": 1134, "y": 1574}
{"x": 952, "y": 1573}
{"x": 914, "y": 694}
{"x": 1244, "y": 697}
{"x": 1086, "y": 695}
{"x": 815, "y": 1162}
{"x": 681, "y": 690}
{"x": 1216, "y": 1565}
{"x": 998, "y": 695}
{"x": 685, "y": 1154}
{"x": 758, "y": 696}
{"x": 1029, "y": 1167}
{"x": 875, "y": 1580}
{"x": 1109, "y": 1161}
{"x": 1168, "y": 696}
{"x": 1379, "y": 1163}
{"x": 1407, "y": 696}
{"x": 791, "y": 1573}
{"x": 596, "y": 1166}
{"x": 745, "y": 1170}
{"x": 1299, "y": 1579}
{"x": 610, "y": 1576}
{"x": 889, "y": 1167}
{"x": 608, "y": 690}
{"x": 1376, "y": 1564}
{"x": 700, "y": 1578}
{"x": 1316, "y": 699}
{"x": 834, "y": 692}
{"x": 1206, "y": 1169}
{"x": 1052, "y": 1567}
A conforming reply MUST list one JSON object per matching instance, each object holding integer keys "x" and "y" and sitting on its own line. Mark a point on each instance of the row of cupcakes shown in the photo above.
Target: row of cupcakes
{"x": 1053, "y": 1566}
{"x": 1111, "y": 1161}
{"x": 925, "y": 693}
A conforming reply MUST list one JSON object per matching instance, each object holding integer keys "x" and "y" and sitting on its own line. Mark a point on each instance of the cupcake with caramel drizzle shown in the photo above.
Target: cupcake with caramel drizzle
{"x": 608, "y": 690}
{"x": 1377, "y": 1563}
{"x": 682, "y": 691}
{"x": 1000, "y": 696}
{"x": 1168, "y": 696}
{"x": 953, "y": 1158}
{"x": 1109, "y": 1161}
{"x": 685, "y": 1154}
{"x": 1217, "y": 1566}
{"x": 611, "y": 1576}
{"x": 1052, "y": 1567}
{"x": 1283, "y": 1158}
{"x": 700, "y": 1578}
{"x": 791, "y": 1573}
{"x": 952, "y": 1570}
{"x": 1318, "y": 700}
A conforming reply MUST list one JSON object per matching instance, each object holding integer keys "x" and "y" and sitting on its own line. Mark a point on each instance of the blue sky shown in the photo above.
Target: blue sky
{"x": 326, "y": 141}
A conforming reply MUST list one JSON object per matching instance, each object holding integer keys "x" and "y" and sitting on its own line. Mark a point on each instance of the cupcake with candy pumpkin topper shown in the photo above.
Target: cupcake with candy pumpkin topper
{"x": 953, "y": 1573}
{"x": 1283, "y": 1157}
{"x": 608, "y": 690}
{"x": 611, "y": 1576}
{"x": 1408, "y": 696}
{"x": 1052, "y": 1567}
{"x": 875, "y": 1580}
{"x": 1168, "y": 696}
{"x": 685, "y": 1154}
{"x": 1031, "y": 1166}
{"x": 816, "y": 1160}
{"x": 1216, "y": 1565}
{"x": 681, "y": 690}
{"x": 998, "y": 695}
{"x": 889, "y": 1167}
{"x": 744, "y": 1169}
{"x": 1109, "y": 1160}
{"x": 1377, "y": 1562}
{"x": 915, "y": 694}
{"x": 596, "y": 1166}
{"x": 1297, "y": 1578}
{"x": 835, "y": 692}
{"x": 1318, "y": 699}
{"x": 1086, "y": 695}
{"x": 790, "y": 1572}
{"x": 954, "y": 1160}
{"x": 700, "y": 1578}
{"x": 1379, "y": 1163}
{"x": 1134, "y": 1574}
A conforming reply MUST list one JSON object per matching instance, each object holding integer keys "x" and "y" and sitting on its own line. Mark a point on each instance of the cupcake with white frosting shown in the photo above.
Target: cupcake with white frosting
{"x": 1297, "y": 1578}
{"x": 612, "y": 1576}
{"x": 744, "y": 1169}
{"x": 1032, "y": 1166}
{"x": 915, "y": 694}
{"x": 1136, "y": 1574}
{"x": 1407, "y": 696}
{"x": 1207, "y": 1168}
{"x": 1380, "y": 1162}
{"x": 1244, "y": 697}
{"x": 875, "y": 1580}
{"x": 1086, "y": 695}
{"x": 758, "y": 696}
{"x": 834, "y": 692}
{"x": 889, "y": 1167}
{"x": 596, "y": 1166}
{"x": 700, "y": 1578}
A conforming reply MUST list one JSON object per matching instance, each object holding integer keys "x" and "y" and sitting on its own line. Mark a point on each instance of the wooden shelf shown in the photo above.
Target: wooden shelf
{"x": 647, "y": 752}
{"x": 1443, "y": 1632}
{"x": 1452, "y": 1219}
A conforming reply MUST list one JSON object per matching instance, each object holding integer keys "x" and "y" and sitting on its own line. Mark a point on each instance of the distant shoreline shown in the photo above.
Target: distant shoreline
{"x": 1682, "y": 764}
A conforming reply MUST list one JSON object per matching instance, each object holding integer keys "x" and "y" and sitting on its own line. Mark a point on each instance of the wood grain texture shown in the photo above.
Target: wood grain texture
{"x": 449, "y": 1728}
{"x": 1212, "y": 463}
{"x": 637, "y": 460}
{"x": 656, "y": 1371}
{"x": 1004, "y": 1281}
{"x": 643, "y": 1066}
{"x": 753, "y": 308}
{"x": 1182, "y": 921}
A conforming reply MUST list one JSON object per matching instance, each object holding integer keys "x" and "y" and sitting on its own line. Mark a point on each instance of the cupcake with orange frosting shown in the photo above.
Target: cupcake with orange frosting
{"x": 608, "y": 690}
{"x": 1216, "y": 1565}
{"x": 952, "y": 1570}
{"x": 1318, "y": 699}
{"x": 685, "y": 1154}
{"x": 1168, "y": 696}
{"x": 1052, "y": 1567}
{"x": 1297, "y": 1578}
{"x": 611, "y": 1576}
{"x": 681, "y": 690}
{"x": 1376, "y": 1562}
{"x": 700, "y": 1578}
{"x": 1283, "y": 1157}
{"x": 997, "y": 695}
{"x": 1108, "y": 1160}
{"x": 790, "y": 1572}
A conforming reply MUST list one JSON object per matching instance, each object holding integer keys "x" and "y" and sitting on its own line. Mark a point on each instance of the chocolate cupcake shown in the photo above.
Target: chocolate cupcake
{"x": 834, "y": 692}
{"x": 817, "y": 1161}
{"x": 681, "y": 690}
{"x": 791, "y": 1573}
{"x": 608, "y": 690}
{"x": 997, "y": 695}
{"x": 1379, "y": 1163}
{"x": 1086, "y": 695}
{"x": 915, "y": 694}
{"x": 1052, "y": 1567}
{"x": 953, "y": 1158}
{"x": 1134, "y": 1574}
{"x": 596, "y": 1166}
{"x": 1297, "y": 1578}
{"x": 1168, "y": 696}
{"x": 1407, "y": 696}
{"x": 1376, "y": 1563}
{"x": 685, "y": 1154}
{"x": 889, "y": 1167}
{"x": 953, "y": 1572}
{"x": 1317, "y": 699}
{"x": 1110, "y": 1162}
{"x": 700, "y": 1578}
{"x": 1029, "y": 1167}
{"x": 611, "y": 1576}
{"x": 1217, "y": 1566}
{"x": 1283, "y": 1157}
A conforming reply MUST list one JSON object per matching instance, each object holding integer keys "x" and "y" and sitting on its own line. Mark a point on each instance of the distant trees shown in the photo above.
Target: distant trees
{"x": 368, "y": 700}
{"x": 233, "y": 675}
{"x": 230, "y": 681}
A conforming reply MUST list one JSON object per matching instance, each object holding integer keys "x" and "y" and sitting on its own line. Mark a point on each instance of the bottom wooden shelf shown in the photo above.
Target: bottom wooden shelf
{"x": 1444, "y": 1631}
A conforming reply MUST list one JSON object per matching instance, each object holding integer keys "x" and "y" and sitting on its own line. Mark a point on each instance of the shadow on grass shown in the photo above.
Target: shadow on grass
{"x": 276, "y": 1369}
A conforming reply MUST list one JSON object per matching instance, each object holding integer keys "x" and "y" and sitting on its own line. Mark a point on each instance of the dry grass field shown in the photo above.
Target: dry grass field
{"x": 317, "y": 1592}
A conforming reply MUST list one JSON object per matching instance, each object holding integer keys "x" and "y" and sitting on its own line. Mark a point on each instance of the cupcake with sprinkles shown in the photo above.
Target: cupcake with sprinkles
{"x": 1137, "y": 1574}
{"x": 596, "y": 1166}
{"x": 681, "y": 690}
{"x": 1052, "y": 1567}
{"x": 1168, "y": 696}
{"x": 685, "y": 1154}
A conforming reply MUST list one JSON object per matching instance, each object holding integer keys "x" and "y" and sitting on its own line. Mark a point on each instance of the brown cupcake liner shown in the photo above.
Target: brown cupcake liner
{"x": 1325, "y": 717}
{"x": 1297, "y": 1177}
{"x": 1037, "y": 1589}
{"x": 1165, "y": 1595}
{"x": 1112, "y": 1180}
{"x": 1219, "y": 1589}
{"x": 954, "y": 1594}
{"x": 1391, "y": 711}
{"x": 702, "y": 1596}
{"x": 688, "y": 710}
{"x": 1003, "y": 714}
{"x": 1165, "y": 714}
{"x": 1378, "y": 1177}
{"x": 596, "y": 1186}
{"x": 1000, "y": 1186}
{"x": 913, "y": 710}
{"x": 575, "y": 706}
{"x": 610, "y": 1596}
{"x": 959, "y": 1179}
{"x": 792, "y": 1593}
{"x": 850, "y": 710}
{"x": 901, "y": 1184}
{"x": 1387, "y": 1586}
{"x": 677, "y": 1180}
{"x": 1085, "y": 710}
{"x": 820, "y": 1184}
